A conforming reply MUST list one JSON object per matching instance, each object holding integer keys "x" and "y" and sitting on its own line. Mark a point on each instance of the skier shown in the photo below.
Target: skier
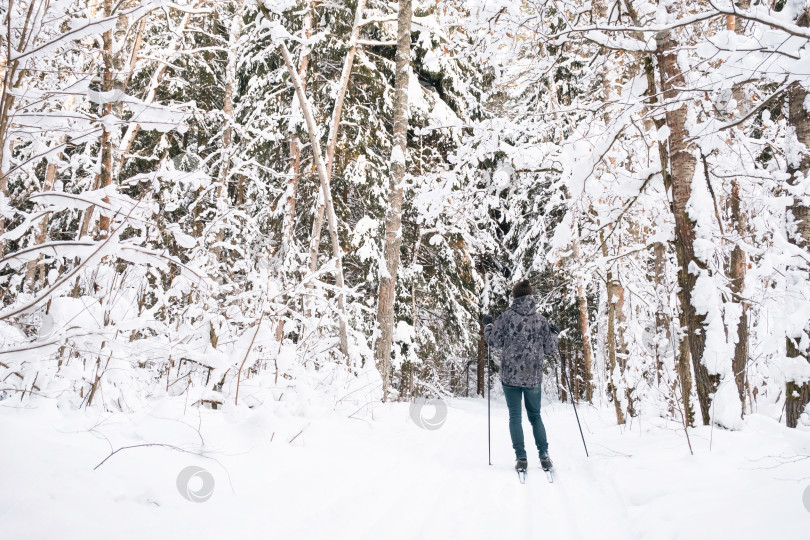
{"x": 525, "y": 337}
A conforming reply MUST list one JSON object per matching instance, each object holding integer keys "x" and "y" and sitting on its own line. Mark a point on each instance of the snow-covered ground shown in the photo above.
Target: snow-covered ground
{"x": 379, "y": 475}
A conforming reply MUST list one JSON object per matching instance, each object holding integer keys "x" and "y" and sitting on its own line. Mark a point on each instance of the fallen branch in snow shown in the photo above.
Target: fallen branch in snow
{"x": 780, "y": 461}
{"x": 144, "y": 445}
{"x": 365, "y": 405}
{"x": 296, "y": 436}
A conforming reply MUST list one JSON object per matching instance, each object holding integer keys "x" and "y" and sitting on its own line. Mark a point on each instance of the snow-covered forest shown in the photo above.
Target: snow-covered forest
{"x": 300, "y": 206}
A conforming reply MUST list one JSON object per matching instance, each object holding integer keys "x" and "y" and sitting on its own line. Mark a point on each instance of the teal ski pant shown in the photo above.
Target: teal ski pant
{"x": 514, "y": 396}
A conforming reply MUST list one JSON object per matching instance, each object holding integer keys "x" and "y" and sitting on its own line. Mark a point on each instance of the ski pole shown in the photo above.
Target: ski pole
{"x": 568, "y": 380}
{"x": 489, "y": 394}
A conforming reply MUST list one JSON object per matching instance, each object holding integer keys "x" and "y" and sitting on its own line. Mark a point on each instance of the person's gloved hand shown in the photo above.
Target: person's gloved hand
{"x": 553, "y": 328}
{"x": 487, "y": 319}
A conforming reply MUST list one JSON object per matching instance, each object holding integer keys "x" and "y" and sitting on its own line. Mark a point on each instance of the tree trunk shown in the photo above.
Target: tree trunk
{"x": 411, "y": 368}
{"x": 481, "y": 363}
{"x": 230, "y": 84}
{"x": 108, "y": 84}
{"x": 584, "y": 323}
{"x": 393, "y": 218}
{"x": 154, "y": 82}
{"x": 661, "y": 294}
{"x": 291, "y": 193}
{"x": 662, "y": 318}
{"x": 564, "y": 382}
{"x": 42, "y": 232}
{"x": 611, "y": 337}
{"x": 334, "y": 129}
{"x": 623, "y": 352}
{"x": 227, "y": 110}
{"x": 737, "y": 269}
{"x": 738, "y": 264}
{"x": 326, "y": 191}
{"x": 798, "y": 395}
{"x": 682, "y": 171}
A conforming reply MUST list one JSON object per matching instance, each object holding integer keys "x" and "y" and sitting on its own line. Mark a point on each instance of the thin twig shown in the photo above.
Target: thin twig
{"x": 143, "y": 445}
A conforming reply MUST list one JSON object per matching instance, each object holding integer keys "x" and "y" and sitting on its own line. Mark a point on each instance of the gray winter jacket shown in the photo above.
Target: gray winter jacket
{"x": 525, "y": 337}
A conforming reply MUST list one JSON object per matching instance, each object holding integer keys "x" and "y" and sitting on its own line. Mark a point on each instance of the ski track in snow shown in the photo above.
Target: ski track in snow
{"x": 384, "y": 477}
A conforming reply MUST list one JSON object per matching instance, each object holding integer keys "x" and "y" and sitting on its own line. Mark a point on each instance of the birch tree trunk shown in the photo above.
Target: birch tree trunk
{"x": 42, "y": 231}
{"x": 611, "y": 337}
{"x": 108, "y": 84}
{"x": 230, "y": 84}
{"x": 662, "y": 318}
{"x": 584, "y": 322}
{"x": 393, "y": 218}
{"x": 623, "y": 353}
{"x": 798, "y": 395}
{"x": 227, "y": 136}
{"x": 738, "y": 264}
{"x": 110, "y": 61}
{"x": 154, "y": 82}
{"x": 337, "y": 252}
{"x": 682, "y": 164}
{"x": 291, "y": 192}
{"x": 334, "y": 129}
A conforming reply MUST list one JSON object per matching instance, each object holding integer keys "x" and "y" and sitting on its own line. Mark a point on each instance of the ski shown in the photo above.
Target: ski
{"x": 548, "y": 467}
{"x": 522, "y": 476}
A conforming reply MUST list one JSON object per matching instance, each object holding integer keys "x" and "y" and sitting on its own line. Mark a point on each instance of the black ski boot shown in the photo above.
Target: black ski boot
{"x": 520, "y": 466}
{"x": 548, "y": 466}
